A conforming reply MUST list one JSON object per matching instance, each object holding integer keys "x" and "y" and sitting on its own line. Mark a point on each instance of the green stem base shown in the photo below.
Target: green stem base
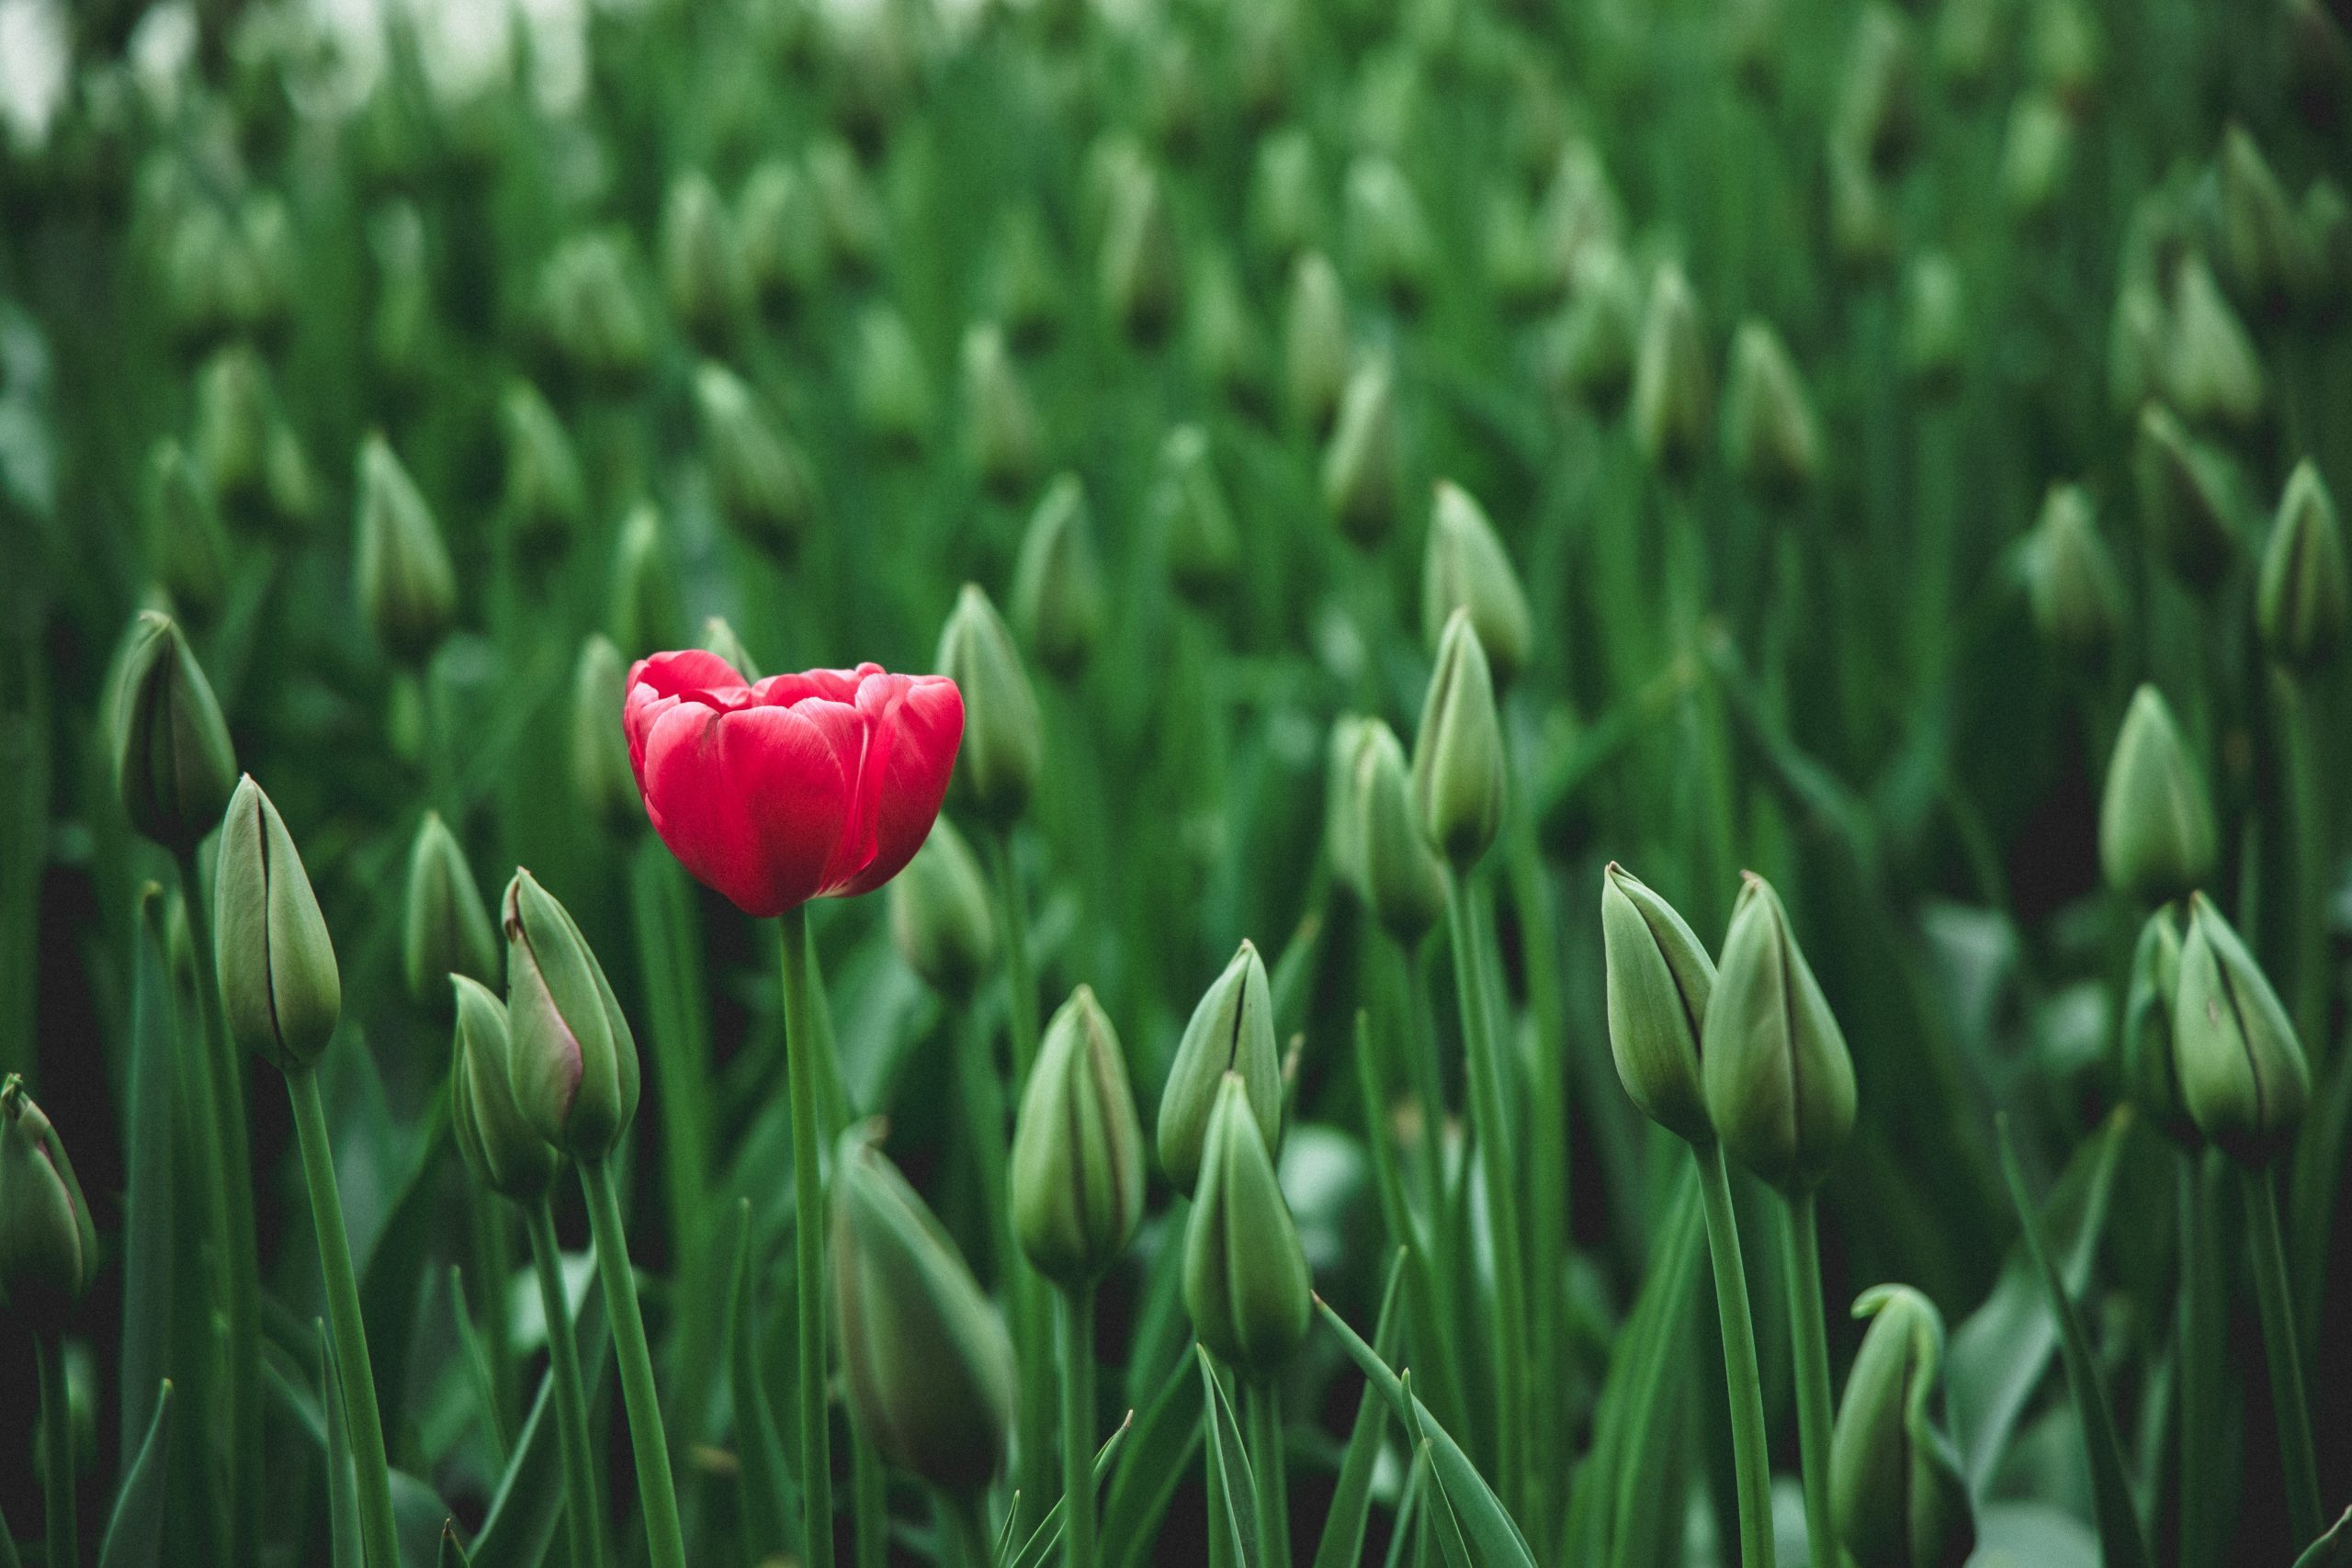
{"x": 657, "y": 1494}
{"x": 807, "y": 1237}
{"x": 2270, "y": 1259}
{"x": 1809, "y": 1334}
{"x": 1751, "y": 1459}
{"x": 584, "y": 1517}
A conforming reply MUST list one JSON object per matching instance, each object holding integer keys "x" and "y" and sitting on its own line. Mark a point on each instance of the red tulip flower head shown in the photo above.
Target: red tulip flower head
{"x": 815, "y": 785}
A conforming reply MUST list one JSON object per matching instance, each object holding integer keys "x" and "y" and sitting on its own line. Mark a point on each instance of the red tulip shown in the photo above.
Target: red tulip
{"x": 815, "y": 785}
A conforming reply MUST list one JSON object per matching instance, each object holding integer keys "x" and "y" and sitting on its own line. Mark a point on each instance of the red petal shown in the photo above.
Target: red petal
{"x": 921, "y": 723}
{"x": 751, "y": 802}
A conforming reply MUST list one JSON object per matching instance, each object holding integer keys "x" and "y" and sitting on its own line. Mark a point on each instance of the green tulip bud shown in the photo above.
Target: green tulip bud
{"x": 1934, "y": 330}
{"x": 941, "y": 917}
{"x": 2184, "y": 504}
{"x": 502, "y": 1149}
{"x": 1025, "y": 282}
{"x": 2036, "y": 154}
{"x": 1004, "y": 742}
{"x": 1057, "y": 595}
{"x": 719, "y": 636}
{"x": 1970, "y": 35}
{"x": 1141, "y": 275}
{"x": 184, "y": 534}
{"x": 281, "y": 991}
{"x": 1285, "y": 201}
{"x": 260, "y": 284}
{"x": 698, "y": 260}
{"x": 1173, "y": 106}
{"x": 1659, "y": 977}
{"x": 1779, "y": 1086}
{"x": 572, "y": 1059}
{"x": 2156, "y": 835}
{"x": 1877, "y": 114}
{"x": 1581, "y": 218}
{"x": 2242, "y": 1075}
{"x": 2261, "y": 238}
{"x": 1360, "y": 464}
{"x": 893, "y": 389}
{"x": 648, "y": 612}
{"x": 49, "y": 1248}
{"x": 235, "y": 417}
{"x": 2064, "y": 48}
{"x": 1231, "y": 1032}
{"x": 1076, "y": 1179}
{"x": 850, "y": 214}
{"x": 1195, "y": 524}
{"x": 445, "y": 928}
{"x": 1342, "y": 821}
{"x": 1458, "y": 751}
{"x": 2071, "y": 581}
{"x": 592, "y": 310}
{"x": 1466, "y": 568}
{"x": 1861, "y": 220}
{"x": 2135, "y": 344}
{"x": 925, "y": 1360}
{"x": 1315, "y": 343}
{"x": 1895, "y": 1487}
{"x": 1594, "y": 343}
{"x": 2212, "y": 370}
{"x": 403, "y": 332}
{"x": 760, "y": 483}
{"x": 1388, "y": 236}
{"x": 1229, "y": 346}
{"x": 2150, "y": 1063}
{"x": 199, "y": 253}
{"x": 2302, "y": 603}
{"x": 174, "y": 765}
{"x": 1000, "y": 425}
{"x": 1525, "y": 273}
{"x": 779, "y": 237}
{"x": 1246, "y": 1283}
{"x": 601, "y": 774}
{"x": 1398, "y": 875}
{"x": 1769, "y": 434}
{"x": 401, "y": 574}
{"x": 546, "y": 495}
{"x": 1673, "y": 391}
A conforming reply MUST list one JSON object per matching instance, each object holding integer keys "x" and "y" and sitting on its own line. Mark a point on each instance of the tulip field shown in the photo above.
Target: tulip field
{"x": 1133, "y": 783}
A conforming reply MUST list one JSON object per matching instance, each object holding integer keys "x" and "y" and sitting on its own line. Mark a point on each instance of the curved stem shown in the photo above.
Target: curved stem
{"x": 354, "y": 1370}
{"x": 808, "y": 1240}
{"x": 1809, "y": 1334}
{"x": 1751, "y": 1460}
{"x": 583, "y": 1519}
{"x": 57, "y": 1445}
{"x": 1263, "y": 1401}
{"x": 2196, "y": 1355}
{"x": 1078, "y": 1426}
{"x": 656, "y": 1493}
{"x": 1030, "y": 1302}
{"x": 2270, "y": 1259}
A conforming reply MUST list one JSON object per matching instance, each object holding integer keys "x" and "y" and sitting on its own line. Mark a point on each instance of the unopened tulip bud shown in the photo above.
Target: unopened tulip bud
{"x": 2037, "y": 155}
{"x": 1315, "y": 343}
{"x": 779, "y": 239}
{"x": 2301, "y": 605}
{"x": 1342, "y": 821}
{"x": 2135, "y": 344}
{"x": 1659, "y": 978}
{"x": 49, "y": 1248}
{"x": 893, "y": 389}
{"x": 444, "y": 928}
{"x": 698, "y": 260}
{"x": 1228, "y": 345}
{"x": 1673, "y": 389}
{"x": 404, "y": 581}
{"x": 1057, "y": 595}
{"x": 2261, "y": 241}
{"x": 2183, "y": 502}
{"x": 1465, "y": 568}
{"x": 2156, "y": 835}
{"x": 1877, "y": 113}
{"x": 403, "y": 333}
{"x": 502, "y": 1150}
{"x": 849, "y": 213}
{"x": 1525, "y": 273}
{"x": 1142, "y": 273}
{"x": 592, "y": 310}
{"x": 1895, "y": 1487}
{"x": 1004, "y": 745}
{"x": 1286, "y": 214}
{"x": 1231, "y": 1031}
{"x": 546, "y": 496}
{"x": 1780, "y": 1085}
{"x": 1388, "y": 236}
{"x": 1076, "y": 1179}
{"x": 1399, "y": 875}
{"x": 2212, "y": 370}
{"x": 184, "y": 534}
{"x": 926, "y": 1363}
{"x": 648, "y": 612}
{"x": 601, "y": 774}
{"x": 1195, "y": 522}
{"x": 1594, "y": 343}
{"x": 760, "y": 483}
{"x": 1025, "y": 282}
{"x": 174, "y": 765}
{"x": 1935, "y": 318}
{"x": 1581, "y": 219}
{"x": 1000, "y": 427}
{"x": 1360, "y": 464}
{"x": 574, "y": 1060}
{"x": 1246, "y": 1283}
{"x": 235, "y": 415}
{"x": 940, "y": 919}
{"x": 1861, "y": 219}
{"x": 2071, "y": 581}
{"x": 1769, "y": 433}
{"x": 2242, "y": 1075}
{"x": 1458, "y": 751}
{"x": 719, "y": 636}
{"x": 281, "y": 991}
{"x": 2151, "y": 1062}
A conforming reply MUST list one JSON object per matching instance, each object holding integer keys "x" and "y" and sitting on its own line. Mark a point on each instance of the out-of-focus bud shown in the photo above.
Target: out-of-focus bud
{"x": 546, "y": 496}
{"x": 2071, "y": 581}
{"x": 1524, "y": 273}
{"x": 1231, "y": 1032}
{"x": 925, "y": 1360}
{"x": 893, "y": 389}
{"x": 1396, "y": 872}
{"x": 2301, "y": 603}
{"x": 1245, "y": 1284}
{"x": 174, "y": 765}
{"x": 699, "y": 271}
{"x": 1195, "y": 524}
{"x": 1779, "y": 1086}
{"x": 1227, "y": 342}
{"x": 1286, "y": 215}
{"x": 1025, "y": 281}
{"x": 401, "y": 570}
{"x": 1342, "y": 818}
{"x": 759, "y": 481}
{"x": 1659, "y": 977}
{"x": 1264, "y": 59}
{"x": 2242, "y": 1070}
{"x": 779, "y": 237}
{"x": 2151, "y": 1065}
{"x": 2135, "y": 344}
{"x": 1970, "y": 34}
{"x": 1076, "y": 1178}
{"x": 404, "y": 334}
{"x": 1172, "y": 90}
{"x": 238, "y": 433}
{"x": 601, "y": 774}
{"x": 49, "y": 1248}
{"x": 1895, "y": 1487}
{"x": 1593, "y": 344}
{"x": 2065, "y": 51}
{"x": 2261, "y": 239}
{"x": 594, "y": 316}
{"x": 1000, "y": 427}
{"x": 850, "y": 214}
{"x": 1935, "y": 320}
{"x": 1315, "y": 341}
{"x": 1861, "y": 220}
{"x": 940, "y": 915}
{"x": 2184, "y": 500}
{"x": 281, "y": 991}
{"x": 1674, "y": 393}
{"x": 1361, "y": 464}
{"x": 184, "y": 539}
{"x": 1878, "y": 98}
{"x": 502, "y": 1150}
{"x": 1769, "y": 434}
{"x": 1004, "y": 743}
{"x": 1581, "y": 214}
{"x": 573, "y": 1061}
{"x": 1058, "y": 596}
{"x": 719, "y": 636}
{"x": 1458, "y": 751}
{"x": 2156, "y": 836}
{"x": 1466, "y": 568}
{"x": 2037, "y": 155}
{"x": 199, "y": 255}
{"x": 1142, "y": 267}
{"x": 648, "y": 612}
{"x": 1388, "y": 236}
{"x": 444, "y": 928}
{"x": 2211, "y": 371}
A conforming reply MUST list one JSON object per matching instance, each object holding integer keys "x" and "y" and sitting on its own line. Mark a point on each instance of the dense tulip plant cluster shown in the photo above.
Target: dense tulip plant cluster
{"x": 919, "y": 733}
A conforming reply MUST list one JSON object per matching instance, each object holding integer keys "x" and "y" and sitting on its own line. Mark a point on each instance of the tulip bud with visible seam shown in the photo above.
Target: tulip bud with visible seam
{"x": 1231, "y": 1031}
{"x": 2184, "y": 503}
{"x": 1399, "y": 875}
{"x": 1246, "y": 1282}
{"x": 2243, "y": 1073}
{"x": 2212, "y": 371}
{"x": 1659, "y": 978}
{"x": 445, "y": 926}
{"x": 573, "y": 1061}
{"x": 2156, "y": 834}
{"x": 1004, "y": 744}
{"x": 1780, "y": 1085}
{"x": 1896, "y": 1485}
{"x": 2071, "y": 581}
{"x": 1076, "y": 1178}
{"x": 1142, "y": 273}
{"x": 1770, "y": 437}
{"x": 2151, "y": 1056}
{"x": 1466, "y": 568}
{"x": 1361, "y": 465}
{"x": 1458, "y": 763}
{"x": 760, "y": 481}
{"x": 1000, "y": 427}
{"x": 504, "y": 1153}
{"x": 49, "y": 1247}
{"x": 404, "y": 581}
{"x": 2301, "y": 603}
{"x": 1673, "y": 395}
{"x": 699, "y": 268}
{"x": 1315, "y": 343}
{"x": 281, "y": 991}
{"x": 779, "y": 239}
{"x": 1195, "y": 522}
{"x": 174, "y": 765}
{"x": 1057, "y": 594}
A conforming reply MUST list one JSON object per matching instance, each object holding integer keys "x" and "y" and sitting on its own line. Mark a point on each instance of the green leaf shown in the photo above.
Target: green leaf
{"x": 1151, "y": 1466}
{"x": 2332, "y": 1549}
{"x": 528, "y": 1500}
{"x": 147, "y": 1217}
{"x": 343, "y": 1478}
{"x": 419, "y": 1519}
{"x": 453, "y": 1553}
{"x": 1038, "y": 1549}
{"x": 767, "y": 1492}
{"x": 135, "y": 1534}
{"x": 395, "y": 1262}
{"x": 1233, "y": 1489}
{"x": 475, "y": 1357}
{"x": 1343, "y": 1526}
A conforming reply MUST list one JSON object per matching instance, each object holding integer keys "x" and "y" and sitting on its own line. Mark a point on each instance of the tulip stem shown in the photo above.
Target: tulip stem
{"x": 583, "y": 1519}
{"x": 1751, "y": 1459}
{"x": 1809, "y": 1331}
{"x": 1020, "y": 986}
{"x": 2195, "y": 1356}
{"x": 964, "y": 1544}
{"x": 807, "y": 1238}
{"x": 2270, "y": 1259}
{"x": 354, "y": 1370}
{"x": 1263, "y": 1402}
{"x": 1078, "y": 1426}
{"x": 656, "y": 1495}
{"x": 57, "y": 1445}
{"x": 1031, "y": 1307}
{"x": 982, "y": 1092}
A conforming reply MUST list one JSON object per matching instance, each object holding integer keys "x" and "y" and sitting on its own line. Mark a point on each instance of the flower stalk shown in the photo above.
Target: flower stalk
{"x": 807, "y": 1234}
{"x": 657, "y": 1495}
{"x": 583, "y": 1519}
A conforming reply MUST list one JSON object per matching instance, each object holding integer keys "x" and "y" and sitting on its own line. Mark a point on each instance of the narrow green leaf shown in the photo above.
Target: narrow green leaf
{"x": 475, "y": 1357}
{"x": 1343, "y": 1526}
{"x": 1437, "y": 1517}
{"x": 2332, "y": 1549}
{"x": 342, "y": 1477}
{"x": 135, "y": 1534}
{"x": 527, "y": 1503}
{"x": 767, "y": 1491}
{"x": 1151, "y": 1466}
{"x": 1233, "y": 1490}
{"x": 147, "y": 1208}
{"x": 1040, "y": 1547}
{"x": 453, "y": 1553}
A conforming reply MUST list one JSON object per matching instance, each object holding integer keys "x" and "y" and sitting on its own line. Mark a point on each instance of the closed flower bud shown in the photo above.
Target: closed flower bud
{"x": 1673, "y": 389}
{"x": 1315, "y": 343}
{"x": 1877, "y": 114}
{"x": 445, "y": 930}
{"x": 1025, "y": 281}
{"x": 759, "y": 481}
{"x": 1360, "y": 467}
{"x": 1779, "y": 1086}
{"x": 1287, "y": 213}
{"x": 1861, "y": 221}
{"x": 893, "y": 389}
{"x": 1594, "y": 344}
{"x": 2183, "y": 503}
{"x": 698, "y": 260}
{"x": 573, "y": 1061}
{"x": 592, "y": 310}
{"x": 1000, "y": 425}
{"x": 1458, "y": 751}
{"x": 1935, "y": 318}
{"x": 1058, "y": 596}
{"x": 940, "y": 919}
{"x": 184, "y": 539}
{"x": 926, "y": 1363}
{"x": 1142, "y": 269}
{"x": 1659, "y": 977}
{"x": 2135, "y": 344}
{"x": 401, "y": 570}
{"x": 1228, "y": 344}
{"x": 174, "y": 765}
{"x": 2261, "y": 241}
{"x": 2301, "y": 603}
{"x": 779, "y": 239}
{"x": 280, "y": 988}
{"x": 1195, "y": 524}
{"x": 49, "y": 1248}
{"x": 1399, "y": 875}
{"x": 1004, "y": 743}
{"x": 1076, "y": 1179}
{"x": 2071, "y": 581}
{"x": 1467, "y": 568}
{"x": 719, "y": 636}
{"x": 1582, "y": 219}
{"x": 2036, "y": 154}
{"x": 547, "y": 499}
{"x": 1342, "y": 821}
{"x": 648, "y": 612}
{"x": 234, "y": 417}
{"x": 2156, "y": 835}
{"x": 1231, "y": 1031}
{"x": 1895, "y": 1487}
{"x": 601, "y": 774}
{"x": 2211, "y": 371}
{"x": 1388, "y": 236}
{"x": 849, "y": 213}
{"x": 1245, "y": 1284}
{"x": 2151, "y": 1065}
{"x": 2242, "y": 1070}
{"x": 502, "y": 1150}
